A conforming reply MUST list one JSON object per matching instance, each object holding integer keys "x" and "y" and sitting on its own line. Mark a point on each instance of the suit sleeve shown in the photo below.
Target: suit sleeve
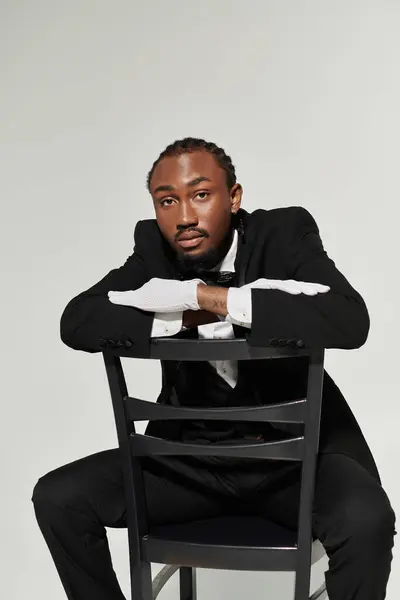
{"x": 90, "y": 322}
{"x": 336, "y": 319}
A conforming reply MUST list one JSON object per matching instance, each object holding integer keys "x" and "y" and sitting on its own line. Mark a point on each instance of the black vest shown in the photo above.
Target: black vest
{"x": 198, "y": 385}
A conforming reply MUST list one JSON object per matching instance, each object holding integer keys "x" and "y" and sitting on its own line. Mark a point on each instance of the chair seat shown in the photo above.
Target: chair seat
{"x": 226, "y": 542}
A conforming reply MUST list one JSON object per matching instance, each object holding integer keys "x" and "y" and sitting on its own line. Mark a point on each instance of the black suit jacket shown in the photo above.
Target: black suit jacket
{"x": 282, "y": 243}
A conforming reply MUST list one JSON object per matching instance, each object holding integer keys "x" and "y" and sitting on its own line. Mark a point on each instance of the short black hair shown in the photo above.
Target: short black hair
{"x": 190, "y": 144}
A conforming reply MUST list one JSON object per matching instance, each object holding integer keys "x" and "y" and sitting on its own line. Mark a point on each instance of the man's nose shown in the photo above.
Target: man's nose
{"x": 187, "y": 215}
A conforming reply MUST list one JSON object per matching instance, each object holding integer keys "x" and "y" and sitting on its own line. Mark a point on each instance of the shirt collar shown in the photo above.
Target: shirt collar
{"x": 228, "y": 263}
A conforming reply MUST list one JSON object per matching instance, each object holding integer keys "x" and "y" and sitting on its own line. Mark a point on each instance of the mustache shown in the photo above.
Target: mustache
{"x": 199, "y": 231}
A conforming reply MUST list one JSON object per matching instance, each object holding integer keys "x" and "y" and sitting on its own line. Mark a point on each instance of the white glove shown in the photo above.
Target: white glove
{"x": 160, "y": 295}
{"x": 291, "y": 286}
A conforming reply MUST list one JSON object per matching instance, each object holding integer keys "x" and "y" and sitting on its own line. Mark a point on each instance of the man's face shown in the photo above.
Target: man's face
{"x": 191, "y": 198}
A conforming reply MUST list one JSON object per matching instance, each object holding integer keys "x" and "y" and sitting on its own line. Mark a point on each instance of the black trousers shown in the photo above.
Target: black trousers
{"x": 352, "y": 515}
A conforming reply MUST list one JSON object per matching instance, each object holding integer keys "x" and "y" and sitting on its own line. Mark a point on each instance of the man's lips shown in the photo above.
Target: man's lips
{"x": 189, "y": 235}
{"x": 191, "y": 241}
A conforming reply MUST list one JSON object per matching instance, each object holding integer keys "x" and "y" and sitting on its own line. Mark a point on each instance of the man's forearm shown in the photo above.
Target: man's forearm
{"x": 213, "y": 299}
{"x": 195, "y": 318}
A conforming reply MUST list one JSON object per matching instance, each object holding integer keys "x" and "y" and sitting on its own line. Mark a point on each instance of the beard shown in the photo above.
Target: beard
{"x": 208, "y": 260}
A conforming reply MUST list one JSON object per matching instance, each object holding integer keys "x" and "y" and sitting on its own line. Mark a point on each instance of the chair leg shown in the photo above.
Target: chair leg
{"x": 187, "y": 583}
{"x": 141, "y": 586}
{"x": 320, "y": 593}
{"x": 302, "y": 582}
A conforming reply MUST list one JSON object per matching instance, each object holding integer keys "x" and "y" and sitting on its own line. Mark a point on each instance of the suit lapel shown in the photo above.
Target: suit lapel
{"x": 245, "y": 246}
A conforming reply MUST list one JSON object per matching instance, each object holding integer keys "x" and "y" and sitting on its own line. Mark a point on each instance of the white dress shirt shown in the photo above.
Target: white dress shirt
{"x": 239, "y": 313}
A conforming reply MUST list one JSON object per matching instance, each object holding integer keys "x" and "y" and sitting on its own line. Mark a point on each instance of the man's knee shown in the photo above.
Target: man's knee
{"x": 56, "y": 488}
{"x": 83, "y": 486}
{"x": 46, "y": 490}
{"x": 368, "y": 516}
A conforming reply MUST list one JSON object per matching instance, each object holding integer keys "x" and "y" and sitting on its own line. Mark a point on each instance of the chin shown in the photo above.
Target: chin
{"x": 192, "y": 261}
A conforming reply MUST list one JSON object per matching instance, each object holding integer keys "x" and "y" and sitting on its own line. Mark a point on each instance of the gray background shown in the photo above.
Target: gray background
{"x": 304, "y": 95}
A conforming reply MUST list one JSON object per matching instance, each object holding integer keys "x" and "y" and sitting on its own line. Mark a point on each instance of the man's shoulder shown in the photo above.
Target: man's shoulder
{"x": 279, "y": 214}
{"x": 147, "y": 226}
{"x": 147, "y": 234}
{"x": 279, "y": 220}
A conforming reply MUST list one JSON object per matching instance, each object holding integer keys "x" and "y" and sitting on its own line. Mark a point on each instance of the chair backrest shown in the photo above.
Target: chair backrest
{"x": 128, "y": 409}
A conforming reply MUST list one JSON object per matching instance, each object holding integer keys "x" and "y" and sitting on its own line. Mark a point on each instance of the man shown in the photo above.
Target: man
{"x": 207, "y": 268}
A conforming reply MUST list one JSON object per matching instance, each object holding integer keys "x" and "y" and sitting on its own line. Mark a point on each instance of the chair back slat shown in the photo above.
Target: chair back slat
{"x": 165, "y": 348}
{"x": 146, "y": 445}
{"x": 282, "y": 412}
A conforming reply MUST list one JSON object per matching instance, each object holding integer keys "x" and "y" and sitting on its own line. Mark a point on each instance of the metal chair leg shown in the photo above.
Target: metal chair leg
{"x": 320, "y": 593}
{"x": 162, "y": 577}
{"x": 187, "y": 581}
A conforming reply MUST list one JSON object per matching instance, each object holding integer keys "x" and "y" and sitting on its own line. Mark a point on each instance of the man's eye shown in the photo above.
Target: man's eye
{"x": 202, "y": 194}
{"x": 166, "y": 200}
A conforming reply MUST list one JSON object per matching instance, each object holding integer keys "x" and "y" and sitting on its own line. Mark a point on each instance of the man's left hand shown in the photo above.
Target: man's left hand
{"x": 160, "y": 295}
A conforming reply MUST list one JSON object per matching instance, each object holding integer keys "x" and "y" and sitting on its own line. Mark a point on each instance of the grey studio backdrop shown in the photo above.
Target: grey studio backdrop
{"x": 303, "y": 94}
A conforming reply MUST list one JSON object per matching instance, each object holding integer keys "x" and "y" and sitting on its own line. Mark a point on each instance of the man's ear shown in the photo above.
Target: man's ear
{"x": 236, "y": 193}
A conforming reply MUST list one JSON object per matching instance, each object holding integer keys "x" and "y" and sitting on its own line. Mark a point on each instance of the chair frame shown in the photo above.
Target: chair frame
{"x": 143, "y": 549}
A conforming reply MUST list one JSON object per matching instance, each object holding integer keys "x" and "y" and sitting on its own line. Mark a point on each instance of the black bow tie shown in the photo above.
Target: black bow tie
{"x": 221, "y": 278}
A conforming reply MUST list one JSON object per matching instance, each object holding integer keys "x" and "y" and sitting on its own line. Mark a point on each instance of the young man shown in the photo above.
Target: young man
{"x": 207, "y": 268}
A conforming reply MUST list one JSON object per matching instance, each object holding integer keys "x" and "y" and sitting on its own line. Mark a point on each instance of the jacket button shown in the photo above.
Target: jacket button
{"x": 274, "y": 341}
{"x": 128, "y": 344}
{"x": 292, "y": 343}
{"x": 282, "y": 342}
{"x": 300, "y": 344}
{"x": 103, "y": 342}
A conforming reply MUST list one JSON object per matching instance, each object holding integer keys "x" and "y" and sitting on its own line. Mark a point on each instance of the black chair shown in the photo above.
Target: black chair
{"x": 230, "y": 542}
